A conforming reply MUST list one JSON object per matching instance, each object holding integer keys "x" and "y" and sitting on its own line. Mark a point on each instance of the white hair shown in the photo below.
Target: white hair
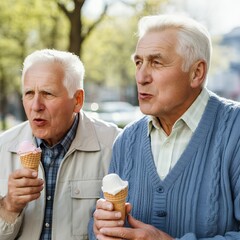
{"x": 72, "y": 66}
{"x": 194, "y": 42}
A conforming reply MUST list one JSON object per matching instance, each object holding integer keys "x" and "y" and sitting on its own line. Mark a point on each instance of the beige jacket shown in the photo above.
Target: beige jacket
{"x": 78, "y": 183}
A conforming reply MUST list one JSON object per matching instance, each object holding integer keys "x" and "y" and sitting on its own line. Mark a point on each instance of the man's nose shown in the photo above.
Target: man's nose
{"x": 143, "y": 75}
{"x": 37, "y": 103}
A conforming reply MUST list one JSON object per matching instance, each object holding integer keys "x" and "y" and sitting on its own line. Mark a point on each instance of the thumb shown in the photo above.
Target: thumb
{"x": 134, "y": 223}
{"x": 128, "y": 207}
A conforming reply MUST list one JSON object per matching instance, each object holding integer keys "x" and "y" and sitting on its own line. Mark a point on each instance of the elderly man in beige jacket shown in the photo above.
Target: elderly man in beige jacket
{"x": 56, "y": 201}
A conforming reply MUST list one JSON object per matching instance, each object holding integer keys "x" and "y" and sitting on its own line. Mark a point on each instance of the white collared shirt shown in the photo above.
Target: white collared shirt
{"x": 168, "y": 149}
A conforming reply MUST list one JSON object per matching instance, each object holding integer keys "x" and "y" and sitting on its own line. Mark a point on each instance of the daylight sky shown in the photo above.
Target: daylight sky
{"x": 220, "y": 16}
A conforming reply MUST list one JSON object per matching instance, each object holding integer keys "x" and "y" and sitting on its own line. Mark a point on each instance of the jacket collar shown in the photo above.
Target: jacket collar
{"x": 86, "y": 138}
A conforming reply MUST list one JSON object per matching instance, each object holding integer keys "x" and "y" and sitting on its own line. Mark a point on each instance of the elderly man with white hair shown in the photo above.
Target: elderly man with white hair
{"x": 182, "y": 160}
{"x": 56, "y": 201}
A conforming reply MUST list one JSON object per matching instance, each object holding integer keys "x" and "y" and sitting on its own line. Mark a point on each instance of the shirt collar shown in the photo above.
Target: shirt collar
{"x": 191, "y": 117}
{"x": 194, "y": 113}
{"x": 68, "y": 138}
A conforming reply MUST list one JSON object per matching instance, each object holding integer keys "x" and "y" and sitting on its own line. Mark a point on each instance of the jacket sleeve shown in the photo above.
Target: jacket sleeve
{"x": 10, "y": 231}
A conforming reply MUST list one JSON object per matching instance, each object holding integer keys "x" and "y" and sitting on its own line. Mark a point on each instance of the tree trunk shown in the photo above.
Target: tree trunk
{"x": 75, "y": 37}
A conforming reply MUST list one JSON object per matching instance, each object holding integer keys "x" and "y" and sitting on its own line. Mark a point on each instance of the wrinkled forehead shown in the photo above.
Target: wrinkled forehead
{"x": 157, "y": 41}
{"x": 51, "y": 73}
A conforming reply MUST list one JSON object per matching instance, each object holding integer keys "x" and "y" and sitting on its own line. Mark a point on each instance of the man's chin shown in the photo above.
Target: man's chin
{"x": 39, "y": 134}
{"x": 145, "y": 110}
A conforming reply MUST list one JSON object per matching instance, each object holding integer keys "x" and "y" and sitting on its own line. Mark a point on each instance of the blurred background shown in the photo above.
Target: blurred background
{"x": 102, "y": 33}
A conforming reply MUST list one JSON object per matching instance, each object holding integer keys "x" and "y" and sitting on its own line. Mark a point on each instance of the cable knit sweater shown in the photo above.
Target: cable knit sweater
{"x": 200, "y": 197}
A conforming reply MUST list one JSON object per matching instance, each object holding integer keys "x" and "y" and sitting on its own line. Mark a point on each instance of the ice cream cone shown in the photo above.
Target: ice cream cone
{"x": 118, "y": 200}
{"x": 31, "y": 160}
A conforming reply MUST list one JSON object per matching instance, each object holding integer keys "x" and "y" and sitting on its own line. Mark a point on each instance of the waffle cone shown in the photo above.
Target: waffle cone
{"x": 31, "y": 160}
{"x": 118, "y": 201}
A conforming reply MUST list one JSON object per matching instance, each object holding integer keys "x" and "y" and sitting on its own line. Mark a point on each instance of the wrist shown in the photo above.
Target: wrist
{"x": 2, "y": 205}
{"x": 6, "y": 214}
{"x": 7, "y": 206}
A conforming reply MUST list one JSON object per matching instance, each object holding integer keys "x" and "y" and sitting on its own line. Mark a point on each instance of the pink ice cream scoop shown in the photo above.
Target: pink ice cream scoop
{"x": 26, "y": 147}
{"x": 30, "y": 155}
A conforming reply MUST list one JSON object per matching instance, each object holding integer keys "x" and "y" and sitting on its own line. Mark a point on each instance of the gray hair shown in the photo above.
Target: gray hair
{"x": 72, "y": 66}
{"x": 194, "y": 42}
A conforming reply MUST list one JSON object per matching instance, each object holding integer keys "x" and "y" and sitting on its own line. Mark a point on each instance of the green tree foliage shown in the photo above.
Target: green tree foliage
{"x": 105, "y": 44}
{"x": 25, "y": 25}
{"x": 107, "y": 52}
{"x": 107, "y": 56}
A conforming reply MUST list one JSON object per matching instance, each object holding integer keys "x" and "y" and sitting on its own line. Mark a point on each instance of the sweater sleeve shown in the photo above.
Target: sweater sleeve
{"x": 91, "y": 234}
{"x": 227, "y": 236}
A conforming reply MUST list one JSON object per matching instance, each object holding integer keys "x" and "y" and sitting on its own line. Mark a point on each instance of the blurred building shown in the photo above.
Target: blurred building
{"x": 226, "y": 82}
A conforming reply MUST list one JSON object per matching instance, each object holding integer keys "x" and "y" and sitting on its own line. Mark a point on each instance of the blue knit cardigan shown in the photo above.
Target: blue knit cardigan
{"x": 200, "y": 197}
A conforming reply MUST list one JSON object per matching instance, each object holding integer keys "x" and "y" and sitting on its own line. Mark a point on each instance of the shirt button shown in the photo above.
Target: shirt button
{"x": 162, "y": 213}
{"x": 47, "y": 225}
{"x": 49, "y": 198}
{"x": 160, "y": 189}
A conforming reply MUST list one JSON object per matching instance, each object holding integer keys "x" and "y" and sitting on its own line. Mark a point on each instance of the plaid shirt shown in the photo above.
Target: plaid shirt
{"x": 51, "y": 160}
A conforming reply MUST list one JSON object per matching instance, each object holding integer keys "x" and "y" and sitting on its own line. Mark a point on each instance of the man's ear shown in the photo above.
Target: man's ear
{"x": 198, "y": 73}
{"x": 79, "y": 99}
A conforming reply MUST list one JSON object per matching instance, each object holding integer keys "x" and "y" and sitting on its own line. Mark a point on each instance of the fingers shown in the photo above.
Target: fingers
{"x": 25, "y": 191}
{"x": 24, "y": 172}
{"x": 120, "y": 233}
{"x": 104, "y": 237}
{"x": 104, "y": 211}
{"x": 23, "y": 187}
{"x": 104, "y": 216}
{"x": 103, "y": 204}
{"x": 98, "y": 225}
{"x": 103, "y": 208}
{"x": 24, "y": 182}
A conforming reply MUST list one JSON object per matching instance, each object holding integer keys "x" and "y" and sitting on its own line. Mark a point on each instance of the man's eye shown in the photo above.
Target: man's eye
{"x": 29, "y": 94}
{"x": 47, "y": 95}
{"x": 138, "y": 63}
{"x": 156, "y": 63}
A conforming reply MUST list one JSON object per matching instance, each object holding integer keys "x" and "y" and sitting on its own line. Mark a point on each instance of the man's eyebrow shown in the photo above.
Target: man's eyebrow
{"x": 152, "y": 56}
{"x": 149, "y": 57}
